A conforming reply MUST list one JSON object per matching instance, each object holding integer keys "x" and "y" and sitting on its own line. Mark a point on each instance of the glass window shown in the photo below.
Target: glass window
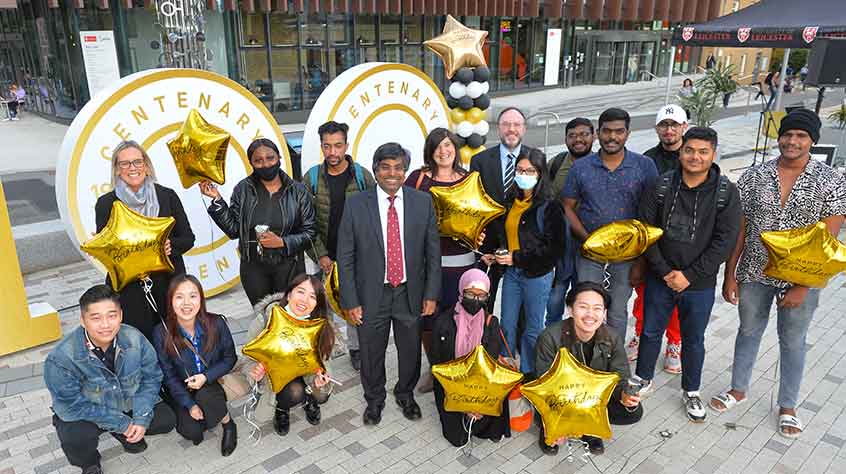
{"x": 491, "y": 49}
{"x": 340, "y": 29}
{"x": 389, "y": 29}
{"x": 144, "y": 39}
{"x": 283, "y": 29}
{"x": 413, "y": 30}
{"x": 255, "y": 72}
{"x": 314, "y": 30}
{"x": 252, "y": 29}
{"x": 340, "y": 59}
{"x": 286, "y": 87}
{"x": 365, "y": 28}
{"x": 315, "y": 74}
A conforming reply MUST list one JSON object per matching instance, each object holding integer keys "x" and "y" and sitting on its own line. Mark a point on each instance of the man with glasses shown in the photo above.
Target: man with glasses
{"x": 496, "y": 166}
{"x": 670, "y": 125}
{"x": 602, "y": 188}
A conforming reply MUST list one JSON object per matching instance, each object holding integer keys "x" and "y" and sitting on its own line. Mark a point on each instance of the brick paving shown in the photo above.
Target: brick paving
{"x": 744, "y": 440}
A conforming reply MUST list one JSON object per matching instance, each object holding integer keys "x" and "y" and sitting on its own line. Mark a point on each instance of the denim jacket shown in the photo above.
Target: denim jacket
{"x": 83, "y": 389}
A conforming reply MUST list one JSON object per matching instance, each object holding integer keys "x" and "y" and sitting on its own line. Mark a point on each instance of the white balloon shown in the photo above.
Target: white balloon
{"x": 474, "y": 89}
{"x": 482, "y": 128}
{"x": 486, "y": 87}
{"x": 457, "y": 90}
{"x": 464, "y": 129}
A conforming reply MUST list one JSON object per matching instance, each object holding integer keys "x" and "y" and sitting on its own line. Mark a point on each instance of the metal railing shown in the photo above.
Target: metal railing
{"x": 552, "y": 115}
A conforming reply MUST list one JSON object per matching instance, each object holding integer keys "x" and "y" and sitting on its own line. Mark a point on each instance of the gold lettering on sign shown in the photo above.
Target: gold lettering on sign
{"x": 353, "y": 112}
{"x": 243, "y": 120}
{"x": 160, "y": 100}
{"x": 105, "y": 154}
{"x": 204, "y": 271}
{"x": 205, "y": 101}
{"x": 182, "y": 99}
{"x": 365, "y": 99}
{"x": 121, "y": 131}
{"x": 222, "y": 264}
{"x": 139, "y": 114}
{"x": 416, "y": 95}
{"x": 224, "y": 110}
{"x": 404, "y": 88}
{"x": 378, "y": 89}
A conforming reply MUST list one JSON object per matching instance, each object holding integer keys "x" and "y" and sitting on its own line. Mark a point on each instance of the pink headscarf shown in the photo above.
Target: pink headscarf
{"x": 469, "y": 327}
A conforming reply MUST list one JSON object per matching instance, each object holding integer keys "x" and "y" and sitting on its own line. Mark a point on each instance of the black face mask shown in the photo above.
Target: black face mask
{"x": 268, "y": 173}
{"x": 472, "y": 305}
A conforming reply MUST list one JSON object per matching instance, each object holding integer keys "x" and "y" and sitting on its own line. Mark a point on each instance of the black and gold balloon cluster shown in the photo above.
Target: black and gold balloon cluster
{"x": 468, "y": 100}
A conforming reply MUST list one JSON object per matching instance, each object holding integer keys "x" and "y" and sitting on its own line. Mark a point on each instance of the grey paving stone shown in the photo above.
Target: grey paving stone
{"x": 469, "y": 460}
{"x": 36, "y": 451}
{"x": 833, "y": 378}
{"x": 707, "y": 464}
{"x": 777, "y": 446}
{"x": 833, "y": 440}
{"x": 16, "y": 373}
{"x": 25, "y": 385}
{"x": 310, "y": 469}
{"x": 392, "y": 442}
{"x": 26, "y": 428}
{"x": 532, "y": 452}
{"x": 811, "y": 406}
{"x": 344, "y": 426}
{"x": 649, "y": 466}
{"x": 51, "y": 466}
{"x": 4, "y": 454}
{"x": 111, "y": 453}
{"x": 313, "y": 431}
{"x": 782, "y": 469}
{"x": 355, "y": 448}
{"x": 279, "y": 460}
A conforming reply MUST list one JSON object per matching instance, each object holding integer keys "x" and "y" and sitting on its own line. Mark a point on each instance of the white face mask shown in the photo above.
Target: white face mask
{"x": 525, "y": 182}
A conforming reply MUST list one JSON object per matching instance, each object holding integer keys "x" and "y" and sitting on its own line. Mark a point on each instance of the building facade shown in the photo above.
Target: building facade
{"x": 751, "y": 64}
{"x": 287, "y": 51}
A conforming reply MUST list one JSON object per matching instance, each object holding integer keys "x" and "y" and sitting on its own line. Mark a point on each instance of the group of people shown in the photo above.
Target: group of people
{"x": 396, "y": 272}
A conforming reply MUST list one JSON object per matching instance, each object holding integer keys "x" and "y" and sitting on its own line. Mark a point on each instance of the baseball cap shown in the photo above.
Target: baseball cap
{"x": 672, "y": 112}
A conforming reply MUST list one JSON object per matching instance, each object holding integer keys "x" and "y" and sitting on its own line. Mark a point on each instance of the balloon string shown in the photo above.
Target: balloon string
{"x": 606, "y": 277}
{"x": 211, "y": 234}
{"x": 147, "y": 286}
{"x": 467, "y": 448}
{"x": 249, "y": 413}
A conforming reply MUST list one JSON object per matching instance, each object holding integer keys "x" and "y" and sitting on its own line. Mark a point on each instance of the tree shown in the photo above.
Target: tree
{"x": 798, "y": 58}
{"x": 717, "y": 82}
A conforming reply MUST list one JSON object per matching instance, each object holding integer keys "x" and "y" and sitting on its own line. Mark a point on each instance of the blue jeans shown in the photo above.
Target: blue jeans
{"x": 557, "y": 295}
{"x": 620, "y": 289}
{"x": 532, "y": 294}
{"x": 756, "y": 299}
{"x": 694, "y": 313}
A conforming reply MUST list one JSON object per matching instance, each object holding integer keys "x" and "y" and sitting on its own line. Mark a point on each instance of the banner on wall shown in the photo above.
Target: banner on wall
{"x": 553, "y": 57}
{"x": 149, "y": 107}
{"x": 100, "y": 57}
{"x": 381, "y": 102}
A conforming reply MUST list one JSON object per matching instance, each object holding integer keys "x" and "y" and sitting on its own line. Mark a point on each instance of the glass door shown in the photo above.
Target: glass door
{"x": 603, "y": 62}
{"x": 619, "y": 61}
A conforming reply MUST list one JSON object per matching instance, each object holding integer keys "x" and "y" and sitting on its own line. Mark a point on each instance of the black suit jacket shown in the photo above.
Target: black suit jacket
{"x": 361, "y": 252}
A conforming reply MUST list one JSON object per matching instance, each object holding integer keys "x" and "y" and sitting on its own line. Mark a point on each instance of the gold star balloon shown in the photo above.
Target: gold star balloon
{"x": 287, "y": 347}
{"x": 620, "y": 241}
{"x": 476, "y": 383}
{"x": 333, "y": 293}
{"x": 131, "y": 245}
{"x": 458, "y": 46}
{"x": 808, "y": 256}
{"x": 199, "y": 151}
{"x": 572, "y": 399}
{"x": 464, "y": 209}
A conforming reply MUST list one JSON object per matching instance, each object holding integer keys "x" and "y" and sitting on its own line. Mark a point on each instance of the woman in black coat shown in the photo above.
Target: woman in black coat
{"x": 134, "y": 184}
{"x": 456, "y": 332}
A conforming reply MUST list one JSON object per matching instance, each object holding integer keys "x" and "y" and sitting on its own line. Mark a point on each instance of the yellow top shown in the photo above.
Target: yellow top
{"x": 512, "y": 222}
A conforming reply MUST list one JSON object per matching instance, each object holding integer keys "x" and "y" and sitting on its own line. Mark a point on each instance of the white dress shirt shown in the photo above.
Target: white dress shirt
{"x": 384, "y": 204}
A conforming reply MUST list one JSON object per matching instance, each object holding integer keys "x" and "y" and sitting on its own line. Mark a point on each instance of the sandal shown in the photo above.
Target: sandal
{"x": 789, "y": 421}
{"x": 728, "y": 401}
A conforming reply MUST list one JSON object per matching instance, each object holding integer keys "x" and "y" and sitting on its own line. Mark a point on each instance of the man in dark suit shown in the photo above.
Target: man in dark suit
{"x": 496, "y": 167}
{"x": 389, "y": 270}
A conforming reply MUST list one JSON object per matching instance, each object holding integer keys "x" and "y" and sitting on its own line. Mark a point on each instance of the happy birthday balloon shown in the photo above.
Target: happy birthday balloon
{"x": 808, "y": 256}
{"x": 464, "y": 209}
{"x": 333, "y": 293}
{"x": 458, "y": 46}
{"x": 620, "y": 241}
{"x": 287, "y": 348}
{"x": 199, "y": 151}
{"x": 131, "y": 245}
{"x": 475, "y": 383}
{"x": 572, "y": 399}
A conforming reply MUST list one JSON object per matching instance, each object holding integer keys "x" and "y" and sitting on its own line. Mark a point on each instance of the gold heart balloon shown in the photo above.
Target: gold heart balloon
{"x": 333, "y": 293}
{"x": 808, "y": 256}
{"x": 199, "y": 151}
{"x": 131, "y": 245}
{"x": 287, "y": 347}
{"x": 572, "y": 399}
{"x": 620, "y": 241}
{"x": 464, "y": 209}
{"x": 476, "y": 383}
{"x": 458, "y": 46}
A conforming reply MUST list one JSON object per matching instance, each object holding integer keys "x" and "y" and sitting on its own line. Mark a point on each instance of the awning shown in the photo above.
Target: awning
{"x": 769, "y": 24}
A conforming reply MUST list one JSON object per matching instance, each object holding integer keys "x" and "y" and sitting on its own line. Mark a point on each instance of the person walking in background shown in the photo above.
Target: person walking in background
{"x": 272, "y": 217}
{"x": 331, "y": 183}
{"x": 602, "y": 188}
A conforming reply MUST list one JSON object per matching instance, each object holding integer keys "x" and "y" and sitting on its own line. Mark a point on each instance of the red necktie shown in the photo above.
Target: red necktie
{"x": 394, "y": 260}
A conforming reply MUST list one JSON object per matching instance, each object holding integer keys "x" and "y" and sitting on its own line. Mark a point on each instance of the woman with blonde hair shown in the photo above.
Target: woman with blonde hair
{"x": 134, "y": 184}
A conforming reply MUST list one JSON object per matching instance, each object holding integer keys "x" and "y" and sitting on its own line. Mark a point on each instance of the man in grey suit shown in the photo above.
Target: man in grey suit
{"x": 389, "y": 270}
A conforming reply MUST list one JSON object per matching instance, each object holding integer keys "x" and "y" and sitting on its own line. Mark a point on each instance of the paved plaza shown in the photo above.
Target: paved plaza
{"x": 744, "y": 440}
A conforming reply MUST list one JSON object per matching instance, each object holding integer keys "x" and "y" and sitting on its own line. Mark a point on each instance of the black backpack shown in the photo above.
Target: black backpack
{"x": 666, "y": 182}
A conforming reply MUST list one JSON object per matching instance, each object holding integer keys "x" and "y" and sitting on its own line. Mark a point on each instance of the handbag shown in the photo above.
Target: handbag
{"x": 235, "y": 384}
{"x": 519, "y": 408}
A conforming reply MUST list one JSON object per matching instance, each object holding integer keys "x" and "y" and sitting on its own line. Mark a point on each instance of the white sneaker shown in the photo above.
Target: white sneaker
{"x": 632, "y": 348}
{"x": 646, "y": 386}
{"x": 672, "y": 359}
{"x": 694, "y": 407}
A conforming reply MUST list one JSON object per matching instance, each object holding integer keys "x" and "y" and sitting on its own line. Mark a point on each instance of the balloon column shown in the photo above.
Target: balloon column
{"x": 460, "y": 48}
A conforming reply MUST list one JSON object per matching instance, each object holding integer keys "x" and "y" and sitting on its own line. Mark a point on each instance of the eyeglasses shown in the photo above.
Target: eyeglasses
{"x": 261, "y": 161}
{"x": 526, "y": 171}
{"x": 583, "y": 135}
{"x": 666, "y": 125}
{"x": 476, "y": 297}
{"x": 507, "y": 125}
{"x": 125, "y": 165}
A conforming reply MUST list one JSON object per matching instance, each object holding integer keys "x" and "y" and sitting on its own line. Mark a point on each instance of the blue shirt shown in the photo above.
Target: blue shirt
{"x": 195, "y": 341}
{"x": 606, "y": 196}
{"x": 503, "y": 158}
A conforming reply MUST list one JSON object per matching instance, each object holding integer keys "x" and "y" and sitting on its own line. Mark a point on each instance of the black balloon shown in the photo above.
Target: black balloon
{"x": 464, "y": 75}
{"x": 481, "y": 74}
{"x": 465, "y": 103}
{"x": 475, "y": 140}
{"x": 461, "y": 141}
{"x": 452, "y": 102}
{"x": 482, "y": 102}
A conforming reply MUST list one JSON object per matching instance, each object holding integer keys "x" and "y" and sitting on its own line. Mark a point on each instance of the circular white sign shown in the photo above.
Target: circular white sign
{"x": 381, "y": 102}
{"x": 149, "y": 108}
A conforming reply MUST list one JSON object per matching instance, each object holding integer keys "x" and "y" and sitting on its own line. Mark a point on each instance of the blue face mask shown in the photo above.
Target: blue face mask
{"x": 525, "y": 182}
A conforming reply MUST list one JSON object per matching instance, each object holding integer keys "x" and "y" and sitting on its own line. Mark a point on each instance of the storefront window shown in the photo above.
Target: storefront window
{"x": 255, "y": 72}
{"x": 314, "y": 30}
{"x": 286, "y": 88}
{"x": 389, "y": 35}
{"x": 365, "y": 27}
{"x": 509, "y": 61}
{"x": 283, "y": 29}
{"x": 492, "y": 49}
{"x": 252, "y": 29}
{"x": 412, "y": 53}
{"x": 144, "y": 39}
{"x": 315, "y": 74}
{"x": 340, "y": 30}
{"x": 537, "y": 35}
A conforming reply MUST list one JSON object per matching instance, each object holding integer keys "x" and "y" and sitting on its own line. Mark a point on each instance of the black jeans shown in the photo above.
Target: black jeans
{"x": 262, "y": 279}
{"x": 79, "y": 439}
{"x": 212, "y": 401}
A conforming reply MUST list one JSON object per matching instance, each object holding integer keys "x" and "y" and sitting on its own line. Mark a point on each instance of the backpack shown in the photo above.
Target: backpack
{"x": 357, "y": 172}
{"x": 556, "y": 163}
{"x": 769, "y": 80}
{"x": 666, "y": 182}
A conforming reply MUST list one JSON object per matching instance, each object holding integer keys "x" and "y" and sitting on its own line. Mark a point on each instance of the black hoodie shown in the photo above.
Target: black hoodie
{"x": 697, "y": 239}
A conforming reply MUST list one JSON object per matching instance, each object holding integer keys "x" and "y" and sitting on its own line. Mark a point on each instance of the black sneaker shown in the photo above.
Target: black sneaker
{"x": 95, "y": 469}
{"x": 595, "y": 445}
{"x": 281, "y": 422}
{"x": 132, "y": 448}
{"x": 355, "y": 359}
{"x": 545, "y": 448}
{"x": 312, "y": 410}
